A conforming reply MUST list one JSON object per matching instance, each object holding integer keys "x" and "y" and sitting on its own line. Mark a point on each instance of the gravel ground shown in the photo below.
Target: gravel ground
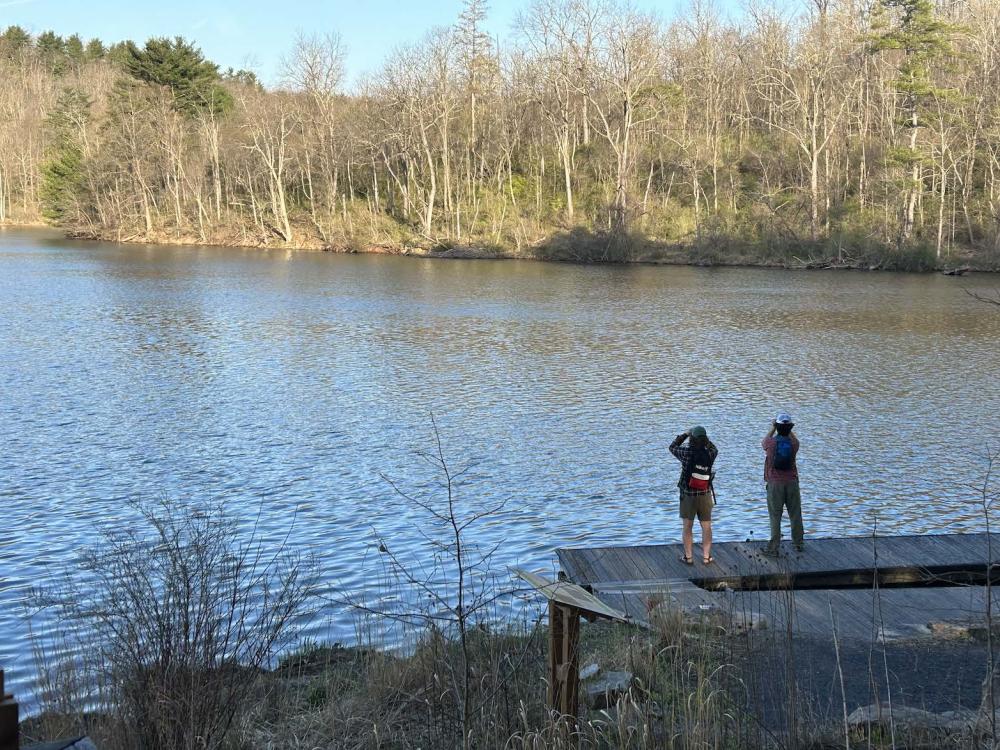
{"x": 937, "y": 675}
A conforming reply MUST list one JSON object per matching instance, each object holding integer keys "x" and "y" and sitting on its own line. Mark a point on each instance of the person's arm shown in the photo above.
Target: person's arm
{"x": 676, "y": 445}
{"x": 769, "y": 435}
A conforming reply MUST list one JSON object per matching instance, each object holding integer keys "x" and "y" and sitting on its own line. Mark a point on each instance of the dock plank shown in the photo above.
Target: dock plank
{"x": 821, "y": 555}
{"x": 628, "y": 577}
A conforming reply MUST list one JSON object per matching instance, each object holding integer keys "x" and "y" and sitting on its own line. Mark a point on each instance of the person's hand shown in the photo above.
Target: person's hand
{"x": 682, "y": 437}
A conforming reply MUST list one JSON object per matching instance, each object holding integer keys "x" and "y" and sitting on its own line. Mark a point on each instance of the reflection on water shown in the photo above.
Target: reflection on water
{"x": 286, "y": 383}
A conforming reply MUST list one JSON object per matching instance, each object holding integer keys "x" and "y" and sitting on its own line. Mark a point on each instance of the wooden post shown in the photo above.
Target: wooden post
{"x": 555, "y": 651}
{"x": 567, "y": 603}
{"x": 8, "y": 720}
{"x": 564, "y": 666}
{"x": 571, "y": 664}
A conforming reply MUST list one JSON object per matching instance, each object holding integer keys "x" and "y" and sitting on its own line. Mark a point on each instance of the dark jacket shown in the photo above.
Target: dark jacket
{"x": 682, "y": 452}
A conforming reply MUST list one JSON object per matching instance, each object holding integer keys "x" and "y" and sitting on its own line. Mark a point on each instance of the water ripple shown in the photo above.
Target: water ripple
{"x": 287, "y": 385}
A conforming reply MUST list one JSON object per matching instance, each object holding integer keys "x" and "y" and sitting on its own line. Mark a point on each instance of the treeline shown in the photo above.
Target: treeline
{"x": 849, "y": 129}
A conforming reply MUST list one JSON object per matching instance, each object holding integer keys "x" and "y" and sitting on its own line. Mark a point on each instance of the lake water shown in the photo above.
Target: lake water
{"x": 286, "y": 383}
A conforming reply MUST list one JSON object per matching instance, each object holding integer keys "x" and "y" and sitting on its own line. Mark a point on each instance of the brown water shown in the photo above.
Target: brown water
{"x": 285, "y": 383}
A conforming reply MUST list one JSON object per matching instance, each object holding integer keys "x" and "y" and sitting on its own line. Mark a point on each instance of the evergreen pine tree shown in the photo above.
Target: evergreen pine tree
{"x": 74, "y": 51}
{"x": 63, "y": 175}
{"x": 51, "y": 50}
{"x": 118, "y": 53}
{"x": 181, "y": 67}
{"x": 95, "y": 50}
{"x": 13, "y": 42}
{"x": 474, "y": 47}
{"x": 243, "y": 77}
{"x": 923, "y": 40}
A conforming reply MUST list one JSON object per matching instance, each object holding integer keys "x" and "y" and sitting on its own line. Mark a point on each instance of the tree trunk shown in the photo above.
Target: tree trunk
{"x": 911, "y": 201}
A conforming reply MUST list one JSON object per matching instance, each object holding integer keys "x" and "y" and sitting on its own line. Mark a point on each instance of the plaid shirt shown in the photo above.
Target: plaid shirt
{"x": 682, "y": 452}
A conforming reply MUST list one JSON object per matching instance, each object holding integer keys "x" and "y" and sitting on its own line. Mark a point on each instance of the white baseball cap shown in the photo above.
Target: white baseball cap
{"x": 783, "y": 418}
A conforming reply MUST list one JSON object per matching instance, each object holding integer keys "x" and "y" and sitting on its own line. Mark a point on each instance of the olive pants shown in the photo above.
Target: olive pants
{"x": 781, "y": 495}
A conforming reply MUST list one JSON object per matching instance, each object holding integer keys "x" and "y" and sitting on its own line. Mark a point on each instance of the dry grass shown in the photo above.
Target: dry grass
{"x": 367, "y": 698}
{"x": 687, "y": 694}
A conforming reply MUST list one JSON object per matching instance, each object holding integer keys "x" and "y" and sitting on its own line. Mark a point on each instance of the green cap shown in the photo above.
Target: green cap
{"x": 698, "y": 432}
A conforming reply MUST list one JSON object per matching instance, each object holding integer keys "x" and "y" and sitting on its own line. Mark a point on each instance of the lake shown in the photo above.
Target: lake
{"x": 287, "y": 383}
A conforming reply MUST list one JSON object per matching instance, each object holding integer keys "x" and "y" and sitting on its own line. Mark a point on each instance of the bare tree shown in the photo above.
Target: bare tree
{"x": 561, "y": 36}
{"x": 454, "y": 591}
{"x": 807, "y": 88}
{"x": 875, "y": 124}
{"x": 629, "y": 63}
{"x": 270, "y": 124}
{"x": 316, "y": 69}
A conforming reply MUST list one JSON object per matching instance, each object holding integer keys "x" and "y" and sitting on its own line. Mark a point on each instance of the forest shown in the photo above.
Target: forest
{"x": 842, "y": 132}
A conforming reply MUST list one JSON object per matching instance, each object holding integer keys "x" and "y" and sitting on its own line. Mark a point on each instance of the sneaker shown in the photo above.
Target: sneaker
{"x": 770, "y": 551}
{"x": 800, "y": 547}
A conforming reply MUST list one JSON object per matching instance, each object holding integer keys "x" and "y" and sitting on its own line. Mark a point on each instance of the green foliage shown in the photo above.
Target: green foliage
{"x": 520, "y": 187}
{"x": 181, "y": 67}
{"x": 923, "y": 40}
{"x": 118, "y": 53}
{"x": 75, "y": 52}
{"x": 63, "y": 172}
{"x": 51, "y": 50}
{"x": 904, "y": 155}
{"x": 62, "y": 178}
{"x": 244, "y": 78}
{"x": 13, "y": 42}
{"x": 317, "y": 697}
{"x": 95, "y": 50}
{"x": 668, "y": 93}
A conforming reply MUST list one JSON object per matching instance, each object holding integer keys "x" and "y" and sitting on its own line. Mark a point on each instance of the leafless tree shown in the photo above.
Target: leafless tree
{"x": 454, "y": 588}
{"x": 775, "y": 125}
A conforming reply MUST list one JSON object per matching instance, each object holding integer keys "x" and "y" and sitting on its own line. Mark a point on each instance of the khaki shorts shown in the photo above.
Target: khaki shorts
{"x": 696, "y": 504}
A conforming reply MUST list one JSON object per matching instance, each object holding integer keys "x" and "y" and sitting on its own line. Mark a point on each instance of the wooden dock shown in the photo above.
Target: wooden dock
{"x": 871, "y": 587}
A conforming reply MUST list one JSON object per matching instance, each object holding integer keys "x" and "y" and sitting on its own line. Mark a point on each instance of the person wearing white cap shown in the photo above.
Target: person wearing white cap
{"x": 781, "y": 475}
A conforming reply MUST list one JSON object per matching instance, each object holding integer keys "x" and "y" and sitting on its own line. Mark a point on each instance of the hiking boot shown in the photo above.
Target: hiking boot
{"x": 800, "y": 547}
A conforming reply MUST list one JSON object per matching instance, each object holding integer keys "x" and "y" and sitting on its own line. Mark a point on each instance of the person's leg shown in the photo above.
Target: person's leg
{"x": 706, "y": 539}
{"x": 687, "y": 514}
{"x": 688, "y": 537}
{"x": 793, "y": 499}
{"x": 775, "y": 501}
{"x": 705, "y": 519}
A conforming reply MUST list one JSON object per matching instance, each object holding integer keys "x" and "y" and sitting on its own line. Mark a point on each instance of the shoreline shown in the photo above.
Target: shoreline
{"x": 626, "y": 674}
{"x": 721, "y": 256}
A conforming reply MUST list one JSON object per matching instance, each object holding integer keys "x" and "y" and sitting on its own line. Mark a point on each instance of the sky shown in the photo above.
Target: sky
{"x": 255, "y": 34}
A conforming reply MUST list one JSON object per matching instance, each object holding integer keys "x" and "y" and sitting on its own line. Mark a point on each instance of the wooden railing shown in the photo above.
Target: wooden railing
{"x": 8, "y": 720}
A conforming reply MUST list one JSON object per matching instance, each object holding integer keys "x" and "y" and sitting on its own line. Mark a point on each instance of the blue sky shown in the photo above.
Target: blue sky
{"x": 256, "y": 33}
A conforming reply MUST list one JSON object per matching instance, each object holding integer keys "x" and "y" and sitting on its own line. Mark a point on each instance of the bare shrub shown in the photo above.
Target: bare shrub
{"x": 171, "y": 622}
{"x": 471, "y": 667}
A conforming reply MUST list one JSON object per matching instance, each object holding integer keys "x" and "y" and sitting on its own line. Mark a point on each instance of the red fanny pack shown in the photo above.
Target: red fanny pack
{"x": 699, "y": 482}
